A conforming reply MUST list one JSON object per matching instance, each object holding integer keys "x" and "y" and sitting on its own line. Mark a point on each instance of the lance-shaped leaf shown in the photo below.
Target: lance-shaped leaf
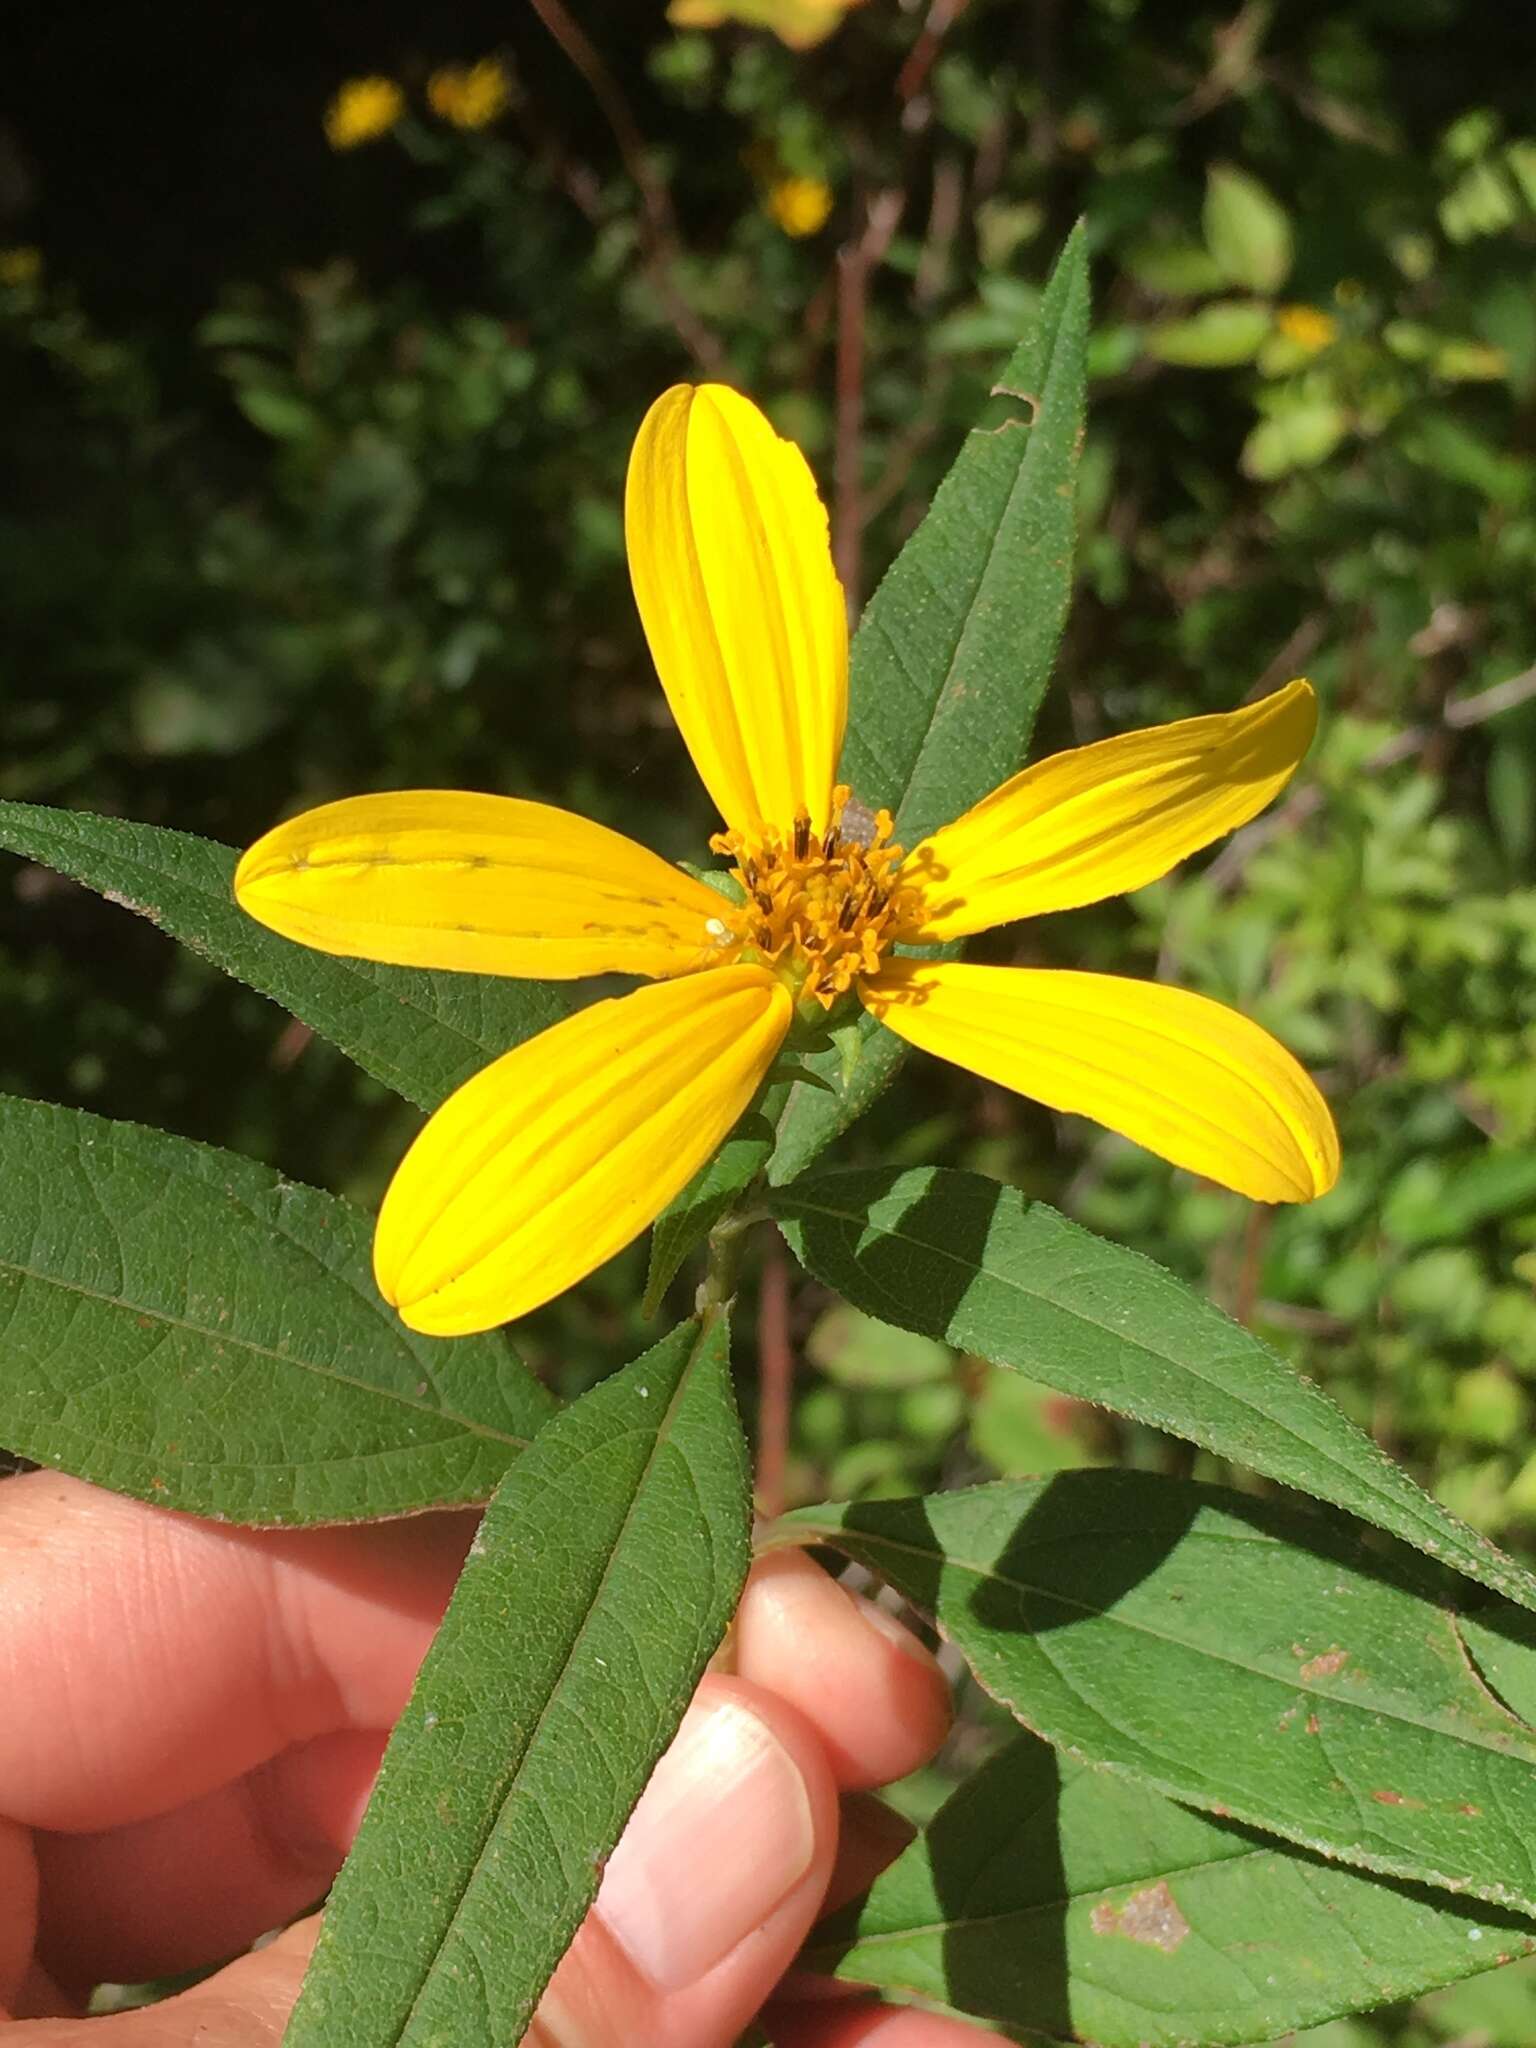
{"x": 419, "y": 1032}
{"x": 961, "y": 1258}
{"x": 955, "y": 648}
{"x": 181, "y": 1324}
{"x": 603, "y": 1577}
{"x": 1064, "y": 1901}
{"x": 1246, "y": 1658}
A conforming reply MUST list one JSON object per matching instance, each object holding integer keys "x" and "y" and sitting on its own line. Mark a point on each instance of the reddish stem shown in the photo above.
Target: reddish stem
{"x": 775, "y": 1375}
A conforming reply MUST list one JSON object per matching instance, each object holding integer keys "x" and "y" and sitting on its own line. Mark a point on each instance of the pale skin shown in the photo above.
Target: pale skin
{"x": 193, "y": 1719}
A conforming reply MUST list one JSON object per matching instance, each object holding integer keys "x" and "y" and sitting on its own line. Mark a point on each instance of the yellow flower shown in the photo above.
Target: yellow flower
{"x": 21, "y": 265}
{"x": 800, "y": 205}
{"x": 363, "y": 110}
{"x": 564, "y": 1149}
{"x": 1308, "y": 326}
{"x": 471, "y": 96}
{"x": 800, "y": 24}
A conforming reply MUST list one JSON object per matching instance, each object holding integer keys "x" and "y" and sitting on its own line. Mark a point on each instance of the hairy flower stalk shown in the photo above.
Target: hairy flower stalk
{"x": 564, "y": 1149}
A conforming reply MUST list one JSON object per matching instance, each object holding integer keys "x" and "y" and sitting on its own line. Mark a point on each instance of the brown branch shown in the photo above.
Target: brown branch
{"x": 1294, "y": 654}
{"x": 1261, "y": 1221}
{"x": 1045, "y": 67}
{"x": 862, "y": 254}
{"x": 1465, "y": 711}
{"x": 945, "y": 213}
{"x": 913, "y": 75}
{"x": 775, "y": 1376}
{"x": 659, "y": 231}
{"x": 855, "y": 260}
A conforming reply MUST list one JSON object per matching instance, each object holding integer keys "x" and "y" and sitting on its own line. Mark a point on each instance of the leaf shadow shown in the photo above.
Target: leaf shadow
{"x": 921, "y": 1294}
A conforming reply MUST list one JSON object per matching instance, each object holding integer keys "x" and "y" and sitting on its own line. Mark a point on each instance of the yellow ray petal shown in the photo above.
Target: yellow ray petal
{"x": 1188, "y": 1078}
{"x": 556, "y": 1155}
{"x": 486, "y": 884}
{"x": 1098, "y": 820}
{"x": 732, "y": 569}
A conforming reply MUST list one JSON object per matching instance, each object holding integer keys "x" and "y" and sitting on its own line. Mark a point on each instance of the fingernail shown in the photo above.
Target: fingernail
{"x": 885, "y": 1624}
{"x": 722, "y": 1834}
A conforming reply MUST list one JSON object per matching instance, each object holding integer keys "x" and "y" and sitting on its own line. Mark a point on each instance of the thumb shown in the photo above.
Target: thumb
{"x": 702, "y": 1907}
{"x": 710, "y": 1892}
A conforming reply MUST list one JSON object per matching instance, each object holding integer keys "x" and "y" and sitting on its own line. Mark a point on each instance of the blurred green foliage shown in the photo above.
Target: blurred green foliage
{"x": 353, "y": 521}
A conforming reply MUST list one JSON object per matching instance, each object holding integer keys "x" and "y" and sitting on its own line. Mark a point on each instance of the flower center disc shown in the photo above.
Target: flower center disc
{"x": 821, "y": 910}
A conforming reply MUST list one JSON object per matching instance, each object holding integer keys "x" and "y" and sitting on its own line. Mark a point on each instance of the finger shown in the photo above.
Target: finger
{"x": 18, "y": 1909}
{"x": 217, "y": 1648}
{"x": 181, "y": 1890}
{"x": 712, "y": 1888}
{"x": 245, "y": 2006}
{"x": 874, "y": 1695}
{"x": 861, "y": 2025}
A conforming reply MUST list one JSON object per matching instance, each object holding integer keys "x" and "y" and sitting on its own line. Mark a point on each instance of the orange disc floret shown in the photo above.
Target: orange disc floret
{"x": 822, "y": 909}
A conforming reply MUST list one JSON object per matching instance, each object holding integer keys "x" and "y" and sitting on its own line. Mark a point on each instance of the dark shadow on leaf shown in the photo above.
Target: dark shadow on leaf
{"x": 921, "y": 1294}
{"x": 995, "y": 1864}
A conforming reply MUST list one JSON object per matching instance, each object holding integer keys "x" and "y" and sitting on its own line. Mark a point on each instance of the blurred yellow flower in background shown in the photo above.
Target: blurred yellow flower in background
{"x": 363, "y": 110}
{"x": 1308, "y": 326}
{"x": 470, "y": 95}
{"x": 800, "y": 205}
{"x": 800, "y": 24}
{"x": 21, "y": 265}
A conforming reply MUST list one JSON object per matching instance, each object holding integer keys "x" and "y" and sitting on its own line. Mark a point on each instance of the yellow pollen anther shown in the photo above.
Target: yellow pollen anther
{"x": 822, "y": 910}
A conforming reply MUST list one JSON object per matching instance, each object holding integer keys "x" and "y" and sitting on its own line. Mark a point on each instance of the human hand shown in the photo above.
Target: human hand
{"x": 193, "y": 1719}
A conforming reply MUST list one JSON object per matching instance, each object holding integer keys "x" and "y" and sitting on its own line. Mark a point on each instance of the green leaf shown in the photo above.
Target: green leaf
{"x": 690, "y": 1216}
{"x": 1449, "y": 448}
{"x": 1218, "y": 337}
{"x": 1065, "y": 1901}
{"x": 1295, "y": 437}
{"x": 1172, "y": 268}
{"x": 857, "y": 1350}
{"x": 282, "y": 414}
{"x": 183, "y": 1325}
{"x": 1247, "y": 230}
{"x": 1439, "y": 1199}
{"x": 956, "y": 646}
{"x": 604, "y": 1576}
{"x": 1247, "y": 1658}
{"x": 419, "y": 1032}
{"x": 960, "y": 1258}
